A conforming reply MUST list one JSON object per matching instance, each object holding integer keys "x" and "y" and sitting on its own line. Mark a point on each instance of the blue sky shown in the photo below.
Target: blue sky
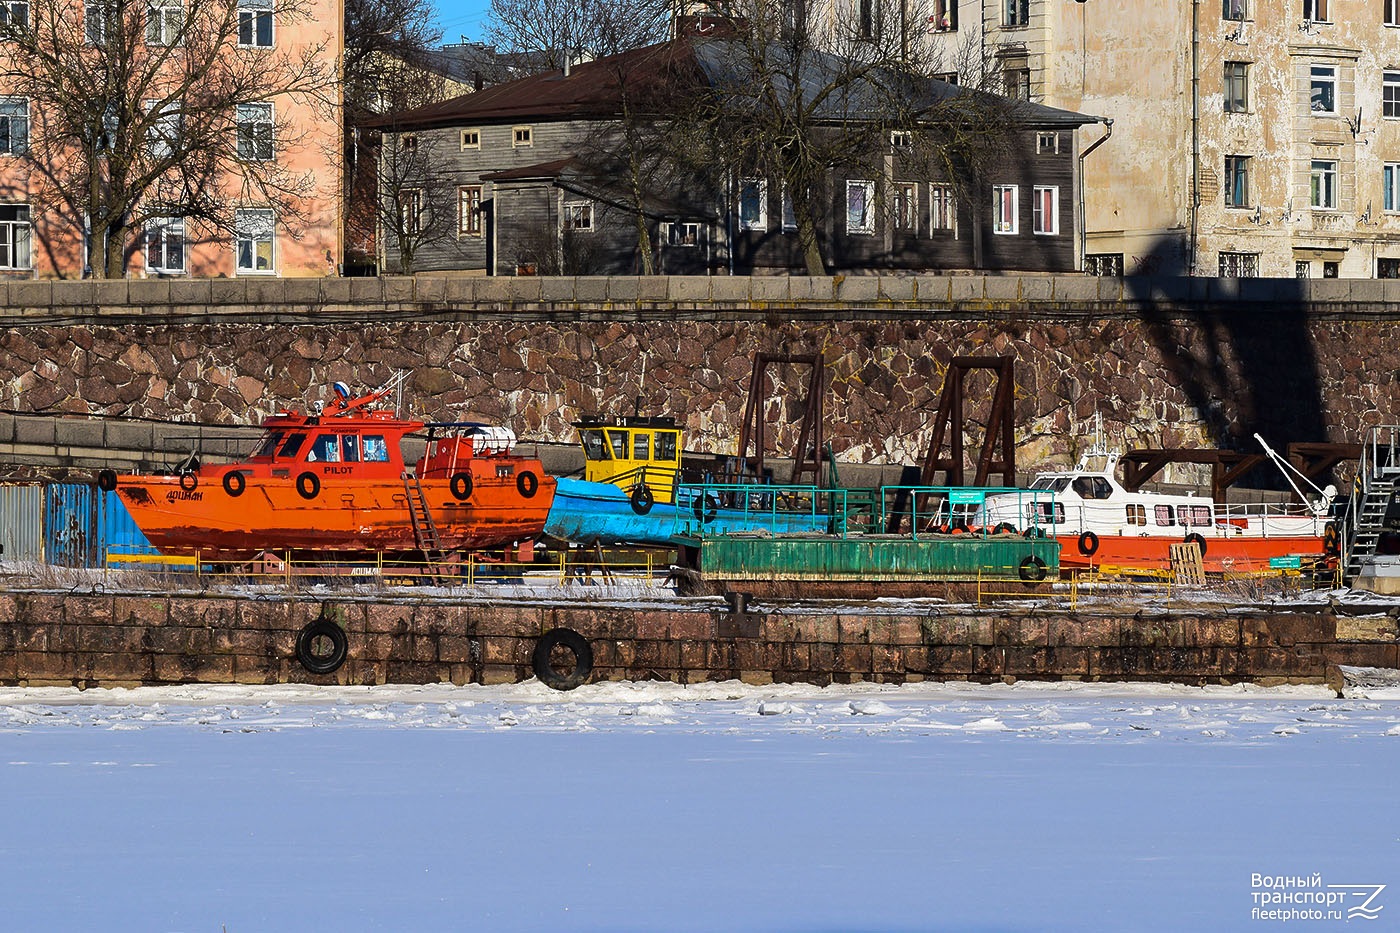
{"x": 462, "y": 17}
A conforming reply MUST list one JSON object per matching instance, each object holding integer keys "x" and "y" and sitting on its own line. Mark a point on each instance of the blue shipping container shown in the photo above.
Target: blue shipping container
{"x": 83, "y": 525}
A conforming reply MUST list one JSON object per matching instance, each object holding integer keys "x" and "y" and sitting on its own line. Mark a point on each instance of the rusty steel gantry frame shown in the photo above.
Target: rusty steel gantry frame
{"x": 950, "y": 423}
{"x": 810, "y": 442}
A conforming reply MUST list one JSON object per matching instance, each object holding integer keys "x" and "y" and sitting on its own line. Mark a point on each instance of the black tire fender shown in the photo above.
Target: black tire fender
{"x": 1004, "y": 528}
{"x": 461, "y": 486}
{"x": 528, "y": 484}
{"x": 189, "y": 482}
{"x": 1088, "y": 543}
{"x": 1200, "y": 542}
{"x": 1032, "y": 569}
{"x": 317, "y": 635}
{"x": 234, "y": 483}
{"x": 576, "y": 644}
{"x": 706, "y": 508}
{"x": 107, "y": 480}
{"x": 308, "y": 485}
{"x": 641, "y": 498}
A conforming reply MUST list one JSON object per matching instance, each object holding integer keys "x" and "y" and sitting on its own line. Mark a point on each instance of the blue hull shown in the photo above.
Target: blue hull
{"x": 600, "y": 513}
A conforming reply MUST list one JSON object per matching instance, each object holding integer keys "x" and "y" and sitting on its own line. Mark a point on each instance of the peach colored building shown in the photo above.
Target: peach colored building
{"x": 298, "y": 133}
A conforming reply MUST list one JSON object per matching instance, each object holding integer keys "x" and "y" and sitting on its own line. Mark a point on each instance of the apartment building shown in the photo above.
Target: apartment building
{"x": 1249, "y": 137}
{"x": 119, "y": 115}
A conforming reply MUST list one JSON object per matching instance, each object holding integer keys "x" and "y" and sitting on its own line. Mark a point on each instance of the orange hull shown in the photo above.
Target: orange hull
{"x": 1238, "y": 554}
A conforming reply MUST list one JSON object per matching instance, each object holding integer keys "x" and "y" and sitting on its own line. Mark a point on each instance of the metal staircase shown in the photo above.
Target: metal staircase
{"x": 425, "y": 533}
{"x": 1375, "y": 498}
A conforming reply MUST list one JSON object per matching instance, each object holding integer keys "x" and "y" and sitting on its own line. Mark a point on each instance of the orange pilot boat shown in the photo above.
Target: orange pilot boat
{"x": 335, "y": 481}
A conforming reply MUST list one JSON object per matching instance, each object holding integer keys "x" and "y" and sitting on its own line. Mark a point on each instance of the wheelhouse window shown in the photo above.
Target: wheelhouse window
{"x": 15, "y": 236}
{"x": 1198, "y": 515}
{"x": 641, "y": 446}
{"x": 376, "y": 451}
{"x": 1045, "y": 211}
{"x": 1324, "y": 185}
{"x": 469, "y": 221}
{"x": 860, "y": 206}
{"x": 1323, "y": 93}
{"x": 165, "y": 245}
{"x": 1004, "y": 210}
{"x": 325, "y": 449}
{"x": 618, "y": 441}
{"x": 1236, "y": 87}
{"x": 255, "y": 23}
{"x": 1163, "y": 515}
{"x": 1237, "y": 181}
{"x": 666, "y": 444}
{"x": 753, "y": 204}
{"x": 292, "y": 447}
{"x": 1136, "y": 514}
{"x": 254, "y": 240}
{"x": 594, "y": 445}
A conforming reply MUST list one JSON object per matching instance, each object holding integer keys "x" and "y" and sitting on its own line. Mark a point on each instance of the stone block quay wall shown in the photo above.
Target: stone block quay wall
{"x": 49, "y": 638}
{"x": 1169, "y": 362}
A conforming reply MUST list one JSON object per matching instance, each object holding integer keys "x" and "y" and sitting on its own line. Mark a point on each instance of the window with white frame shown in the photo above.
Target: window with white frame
{"x": 1236, "y": 87}
{"x": 1316, "y": 11}
{"x": 901, "y": 139}
{"x": 15, "y": 236}
{"x": 753, "y": 204}
{"x": 578, "y": 216}
{"x": 860, "y": 206}
{"x": 1324, "y": 184}
{"x": 1047, "y": 143}
{"x": 1233, "y": 10}
{"x": 867, "y": 19}
{"x": 1239, "y": 265}
{"x": 14, "y": 125}
{"x": 950, "y": 77}
{"x": 941, "y": 212}
{"x": 1104, "y": 264}
{"x": 1015, "y": 12}
{"x": 95, "y": 14}
{"x": 255, "y": 23}
{"x": 522, "y": 136}
{"x": 471, "y": 139}
{"x": 469, "y": 221}
{"x": 1236, "y": 181}
{"x": 164, "y": 21}
{"x": 1323, "y": 91}
{"x": 944, "y": 17}
{"x": 1390, "y": 187}
{"x": 411, "y": 211}
{"x": 165, "y": 244}
{"x": 254, "y": 132}
{"x": 1004, "y": 220}
{"x": 1045, "y": 210}
{"x": 789, "y": 218}
{"x": 1390, "y": 94}
{"x": 1392, "y": 13}
{"x": 163, "y": 131}
{"x": 904, "y": 206}
{"x": 254, "y": 241}
{"x": 14, "y": 12}
{"x": 681, "y": 234}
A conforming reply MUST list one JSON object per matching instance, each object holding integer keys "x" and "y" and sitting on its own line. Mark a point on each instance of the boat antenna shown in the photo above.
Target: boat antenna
{"x": 1318, "y": 506}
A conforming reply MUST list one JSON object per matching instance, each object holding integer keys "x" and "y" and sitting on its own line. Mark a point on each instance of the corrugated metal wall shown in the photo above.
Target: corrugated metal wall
{"x": 22, "y": 522}
{"x": 70, "y": 525}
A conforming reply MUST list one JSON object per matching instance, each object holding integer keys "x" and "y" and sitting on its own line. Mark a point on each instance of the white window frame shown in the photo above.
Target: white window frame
{"x": 579, "y": 217}
{"x": 16, "y": 237}
{"x": 901, "y": 139}
{"x": 14, "y": 111}
{"x": 255, "y": 125}
{"x": 760, "y": 188}
{"x": 1390, "y": 188}
{"x": 789, "y": 218}
{"x": 1390, "y": 93}
{"x": 470, "y": 139}
{"x": 95, "y": 22}
{"x": 1322, "y": 187}
{"x": 1045, "y": 198}
{"x": 864, "y": 224}
{"x": 1317, "y": 11}
{"x": 1322, "y": 76}
{"x": 1238, "y": 265}
{"x": 945, "y": 16}
{"x": 688, "y": 237}
{"x": 904, "y": 206}
{"x": 1047, "y": 143}
{"x": 1004, "y": 222}
{"x": 254, "y": 226}
{"x": 164, "y": 231}
{"x": 253, "y": 14}
{"x": 942, "y": 208}
{"x": 1235, "y": 11}
{"x": 1233, "y": 164}
{"x": 411, "y": 211}
{"x": 163, "y": 132}
{"x": 522, "y": 137}
{"x": 14, "y": 11}
{"x": 1390, "y": 16}
{"x": 1017, "y": 82}
{"x": 470, "y": 222}
{"x": 165, "y": 20}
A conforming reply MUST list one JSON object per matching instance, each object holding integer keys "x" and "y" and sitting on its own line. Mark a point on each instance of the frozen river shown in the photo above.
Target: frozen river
{"x": 714, "y": 807}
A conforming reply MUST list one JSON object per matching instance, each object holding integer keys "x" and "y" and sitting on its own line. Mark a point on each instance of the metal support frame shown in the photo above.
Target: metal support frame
{"x": 811, "y": 447}
{"x": 998, "y": 451}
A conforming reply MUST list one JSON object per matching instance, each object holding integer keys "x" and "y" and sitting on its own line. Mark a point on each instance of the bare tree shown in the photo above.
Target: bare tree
{"x": 416, "y": 204}
{"x": 553, "y": 33}
{"x": 158, "y": 108}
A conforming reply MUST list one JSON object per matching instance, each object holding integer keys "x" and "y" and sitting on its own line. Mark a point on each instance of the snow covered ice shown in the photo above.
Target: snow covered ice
{"x": 710, "y": 807}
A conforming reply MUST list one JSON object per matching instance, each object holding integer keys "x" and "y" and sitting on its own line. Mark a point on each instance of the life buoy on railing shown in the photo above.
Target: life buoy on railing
{"x": 461, "y": 486}
{"x": 1200, "y": 542}
{"x": 642, "y": 499}
{"x": 1088, "y": 543}
{"x": 562, "y": 677}
{"x": 528, "y": 484}
{"x": 234, "y": 483}
{"x": 308, "y": 485}
{"x": 189, "y": 482}
{"x": 1032, "y": 569}
{"x": 107, "y": 480}
{"x": 322, "y": 646}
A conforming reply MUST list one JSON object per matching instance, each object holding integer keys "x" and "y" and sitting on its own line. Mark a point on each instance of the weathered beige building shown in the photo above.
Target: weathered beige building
{"x": 1248, "y": 137}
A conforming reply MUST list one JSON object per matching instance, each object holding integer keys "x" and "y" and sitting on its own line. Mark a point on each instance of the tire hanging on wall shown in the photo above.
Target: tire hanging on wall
{"x": 234, "y": 483}
{"x": 1200, "y": 542}
{"x": 641, "y": 498}
{"x": 308, "y": 485}
{"x": 1032, "y": 569}
{"x": 461, "y": 486}
{"x": 576, "y": 645}
{"x": 1088, "y": 543}
{"x": 107, "y": 480}
{"x": 318, "y": 635}
{"x": 528, "y": 484}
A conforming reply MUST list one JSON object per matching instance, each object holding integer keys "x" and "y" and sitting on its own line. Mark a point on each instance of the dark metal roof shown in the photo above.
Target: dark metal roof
{"x": 538, "y": 170}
